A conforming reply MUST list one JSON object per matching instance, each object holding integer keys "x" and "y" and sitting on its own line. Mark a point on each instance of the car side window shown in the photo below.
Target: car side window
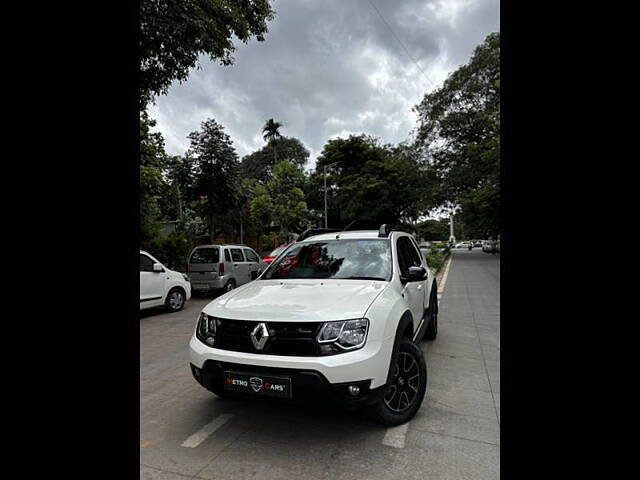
{"x": 414, "y": 256}
{"x": 146, "y": 264}
{"x": 251, "y": 256}
{"x": 227, "y": 257}
{"x": 236, "y": 254}
{"x": 407, "y": 256}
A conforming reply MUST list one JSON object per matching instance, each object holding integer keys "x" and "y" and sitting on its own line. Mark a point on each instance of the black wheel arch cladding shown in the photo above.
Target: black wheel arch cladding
{"x": 404, "y": 325}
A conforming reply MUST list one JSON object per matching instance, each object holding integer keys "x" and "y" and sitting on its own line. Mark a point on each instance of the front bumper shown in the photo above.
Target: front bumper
{"x": 370, "y": 363}
{"x": 308, "y": 386}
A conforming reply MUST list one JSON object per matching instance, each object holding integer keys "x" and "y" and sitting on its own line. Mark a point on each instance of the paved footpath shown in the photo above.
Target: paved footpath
{"x": 187, "y": 432}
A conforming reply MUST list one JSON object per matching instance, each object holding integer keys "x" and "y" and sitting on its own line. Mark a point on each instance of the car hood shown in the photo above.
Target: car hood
{"x": 297, "y": 300}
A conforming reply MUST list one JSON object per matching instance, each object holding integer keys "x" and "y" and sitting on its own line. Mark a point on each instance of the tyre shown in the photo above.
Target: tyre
{"x": 432, "y": 329}
{"x": 175, "y": 300}
{"x": 230, "y": 285}
{"x": 407, "y": 387}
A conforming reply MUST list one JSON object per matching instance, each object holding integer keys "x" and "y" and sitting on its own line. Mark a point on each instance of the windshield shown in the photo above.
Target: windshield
{"x": 344, "y": 259}
{"x": 278, "y": 251}
{"x": 205, "y": 255}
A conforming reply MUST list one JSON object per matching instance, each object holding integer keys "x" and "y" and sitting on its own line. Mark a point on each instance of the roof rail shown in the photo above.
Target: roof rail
{"x": 315, "y": 231}
{"x": 387, "y": 228}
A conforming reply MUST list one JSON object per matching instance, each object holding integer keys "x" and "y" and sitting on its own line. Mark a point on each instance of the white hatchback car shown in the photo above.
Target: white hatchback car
{"x": 160, "y": 286}
{"x": 338, "y": 317}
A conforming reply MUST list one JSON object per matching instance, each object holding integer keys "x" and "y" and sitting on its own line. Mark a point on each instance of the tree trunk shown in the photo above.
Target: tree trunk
{"x": 213, "y": 230}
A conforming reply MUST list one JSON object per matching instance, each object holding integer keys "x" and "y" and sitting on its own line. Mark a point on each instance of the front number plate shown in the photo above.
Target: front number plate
{"x": 257, "y": 384}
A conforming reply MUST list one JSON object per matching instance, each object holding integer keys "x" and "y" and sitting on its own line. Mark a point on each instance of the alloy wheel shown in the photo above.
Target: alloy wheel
{"x": 404, "y": 384}
{"x": 176, "y": 299}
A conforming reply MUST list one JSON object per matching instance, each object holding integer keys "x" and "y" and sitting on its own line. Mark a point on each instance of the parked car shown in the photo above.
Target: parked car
{"x": 272, "y": 256}
{"x": 222, "y": 267}
{"x": 336, "y": 318}
{"x": 161, "y": 286}
{"x": 462, "y": 245}
{"x": 491, "y": 246}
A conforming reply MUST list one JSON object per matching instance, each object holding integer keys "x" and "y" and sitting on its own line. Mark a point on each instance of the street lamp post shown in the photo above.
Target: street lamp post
{"x": 452, "y": 238}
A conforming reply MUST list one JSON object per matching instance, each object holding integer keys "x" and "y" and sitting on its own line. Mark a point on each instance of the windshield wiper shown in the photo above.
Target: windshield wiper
{"x": 361, "y": 278}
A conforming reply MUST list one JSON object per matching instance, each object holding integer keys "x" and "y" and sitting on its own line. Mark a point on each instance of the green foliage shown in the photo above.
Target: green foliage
{"x": 172, "y": 250}
{"x": 261, "y": 207}
{"x": 436, "y": 258}
{"x": 259, "y": 164}
{"x": 178, "y": 179}
{"x": 270, "y": 241}
{"x": 215, "y": 174}
{"x": 368, "y": 182}
{"x": 289, "y": 206}
{"x": 271, "y": 130}
{"x": 174, "y": 33}
{"x": 480, "y": 211}
{"x": 432, "y": 230}
{"x": 459, "y": 130}
{"x": 152, "y": 159}
{"x": 281, "y": 201}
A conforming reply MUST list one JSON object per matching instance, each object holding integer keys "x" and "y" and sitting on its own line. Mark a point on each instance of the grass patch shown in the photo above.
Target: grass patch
{"x": 435, "y": 259}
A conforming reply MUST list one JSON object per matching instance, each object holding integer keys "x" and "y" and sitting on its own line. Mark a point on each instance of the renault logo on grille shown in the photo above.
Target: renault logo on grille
{"x": 259, "y": 336}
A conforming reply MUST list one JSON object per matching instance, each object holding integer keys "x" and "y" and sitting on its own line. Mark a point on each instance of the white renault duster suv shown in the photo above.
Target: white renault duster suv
{"x": 336, "y": 317}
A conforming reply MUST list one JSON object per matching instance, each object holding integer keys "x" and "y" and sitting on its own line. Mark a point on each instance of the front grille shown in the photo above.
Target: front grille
{"x": 285, "y": 338}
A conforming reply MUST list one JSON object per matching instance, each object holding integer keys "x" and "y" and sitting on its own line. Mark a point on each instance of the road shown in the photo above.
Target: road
{"x": 187, "y": 432}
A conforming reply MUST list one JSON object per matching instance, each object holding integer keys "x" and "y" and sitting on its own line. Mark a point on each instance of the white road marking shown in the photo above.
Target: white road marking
{"x": 201, "y": 435}
{"x": 395, "y": 436}
{"x": 444, "y": 276}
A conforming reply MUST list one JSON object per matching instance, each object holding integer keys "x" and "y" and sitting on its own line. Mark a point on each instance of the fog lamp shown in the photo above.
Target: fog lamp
{"x": 354, "y": 390}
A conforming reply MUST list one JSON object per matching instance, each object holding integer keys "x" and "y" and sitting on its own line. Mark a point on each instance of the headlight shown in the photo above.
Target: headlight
{"x": 186, "y": 278}
{"x": 206, "y": 329}
{"x": 346, "y": 335}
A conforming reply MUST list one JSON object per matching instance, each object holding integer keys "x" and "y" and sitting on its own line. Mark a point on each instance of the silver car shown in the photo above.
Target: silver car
{"x": 222, "y": 267}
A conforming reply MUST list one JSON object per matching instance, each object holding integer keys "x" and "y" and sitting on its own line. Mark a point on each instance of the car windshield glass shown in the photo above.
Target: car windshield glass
{"x": 277, "y": 251}
{"x": 344, "y": 259}
{"x": 205, "y": 255}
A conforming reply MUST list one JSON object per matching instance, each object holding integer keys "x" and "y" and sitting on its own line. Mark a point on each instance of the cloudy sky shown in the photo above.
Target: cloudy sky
{"x": 329, "y": 68}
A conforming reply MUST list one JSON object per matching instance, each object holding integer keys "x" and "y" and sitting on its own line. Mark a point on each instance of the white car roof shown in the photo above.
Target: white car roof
{"x": 221, "y": 245}
{"x": 349, "y": 235}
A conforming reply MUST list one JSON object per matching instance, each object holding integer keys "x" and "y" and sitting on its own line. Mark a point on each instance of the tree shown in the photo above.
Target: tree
{"x": 281, "y": 201}
{"x": 215, "y": 177}
{"x": 174, "y": 33}
{"x": 459, "y": 130}
{"x": 271, "y": 132}
{"x": 178, "y": 176}
{"x": 369, "y": 182}
{"x": 259, "y": 164}
{"x": 432, "y": 230}
{"x": 289, "y": 206}
{"x": 152, "y": 160}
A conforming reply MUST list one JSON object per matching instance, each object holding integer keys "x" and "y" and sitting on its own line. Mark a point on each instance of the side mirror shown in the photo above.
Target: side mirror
{"x": 157, "y": 268}
{"x": 416, "y": 274}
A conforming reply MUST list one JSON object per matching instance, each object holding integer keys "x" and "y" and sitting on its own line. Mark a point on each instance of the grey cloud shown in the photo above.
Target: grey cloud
{"x": 329, "y": 68}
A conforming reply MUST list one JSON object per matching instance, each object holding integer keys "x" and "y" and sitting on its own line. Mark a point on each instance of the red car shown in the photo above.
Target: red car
{"x": 272, "y": 256}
